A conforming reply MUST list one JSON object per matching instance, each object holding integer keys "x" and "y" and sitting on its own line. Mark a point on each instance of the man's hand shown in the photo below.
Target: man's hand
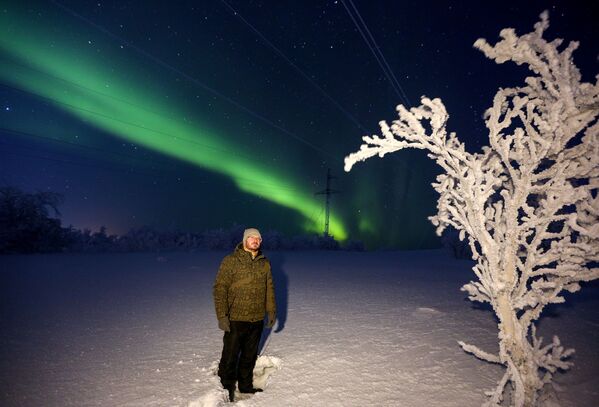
{"x": 272, "y": 317}
{"x": 223, "y": 323}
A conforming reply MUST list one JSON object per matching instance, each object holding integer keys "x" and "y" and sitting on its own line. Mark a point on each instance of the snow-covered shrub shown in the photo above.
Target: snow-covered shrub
{"x": 527, "y": 203}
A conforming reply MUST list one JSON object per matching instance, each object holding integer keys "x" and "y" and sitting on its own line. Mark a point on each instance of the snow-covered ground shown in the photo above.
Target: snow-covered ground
{"x": 355, "y": 329}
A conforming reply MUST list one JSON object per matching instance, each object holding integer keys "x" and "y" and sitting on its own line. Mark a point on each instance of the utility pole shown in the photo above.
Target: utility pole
{"x": 328, "y": 192}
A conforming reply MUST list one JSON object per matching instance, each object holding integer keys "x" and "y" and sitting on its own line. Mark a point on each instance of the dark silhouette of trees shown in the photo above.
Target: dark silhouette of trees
{"x": 26, "y": 224}
{"x": 29, "y": 223}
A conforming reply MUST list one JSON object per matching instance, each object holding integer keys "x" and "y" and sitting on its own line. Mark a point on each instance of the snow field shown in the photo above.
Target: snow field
{"x": 354, "y": 329}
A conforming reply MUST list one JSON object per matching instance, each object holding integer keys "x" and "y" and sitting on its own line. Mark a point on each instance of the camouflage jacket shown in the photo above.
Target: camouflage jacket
{"x": 243, "y": 289}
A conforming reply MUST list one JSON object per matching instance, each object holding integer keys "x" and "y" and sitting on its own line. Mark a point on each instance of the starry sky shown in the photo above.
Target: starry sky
{"x": 198, "y": 115}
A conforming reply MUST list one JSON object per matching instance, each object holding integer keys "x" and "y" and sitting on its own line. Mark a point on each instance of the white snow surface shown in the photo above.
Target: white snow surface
{"x": 354, "y": 329}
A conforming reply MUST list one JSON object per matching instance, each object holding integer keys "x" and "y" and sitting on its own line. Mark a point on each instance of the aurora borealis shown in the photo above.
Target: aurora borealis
{"x": 88, "y": 90}
{"x": 180, "y": 115}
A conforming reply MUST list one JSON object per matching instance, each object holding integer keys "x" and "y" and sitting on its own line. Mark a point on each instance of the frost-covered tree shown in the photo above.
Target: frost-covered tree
{"x": 527, "y": 203}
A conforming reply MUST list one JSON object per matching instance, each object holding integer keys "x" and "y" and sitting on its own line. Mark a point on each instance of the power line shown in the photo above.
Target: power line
{"x": 108, "y": 96}
{"x": 78, "y": 145}
{"x": 50, "y": 100}
{"x": 289, "y": 190}
{"x": 111, "y": 97}
{"x": 294, "y": 66}
{"x": 389, "y": 70}
{"x": 77, "y": 163}
{"x": 327, "y": 192}
{"x": 106, "y": 168}
{"x": 88, "y": 89}
{"x": 70, "y": 106}
{"x": 191, "y": 78}
{"x": 375, "y": 49}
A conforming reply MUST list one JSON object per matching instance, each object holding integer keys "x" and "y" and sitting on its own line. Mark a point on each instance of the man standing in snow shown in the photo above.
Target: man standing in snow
{"x": 243, "y": 295}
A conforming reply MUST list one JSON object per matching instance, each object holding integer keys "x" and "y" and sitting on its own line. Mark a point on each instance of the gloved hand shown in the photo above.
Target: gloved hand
{"x": 223, "y": 323}
{"x": 272, "y": 317}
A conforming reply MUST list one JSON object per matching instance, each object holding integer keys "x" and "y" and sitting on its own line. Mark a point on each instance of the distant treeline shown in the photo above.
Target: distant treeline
{"x": 29, "y": 223}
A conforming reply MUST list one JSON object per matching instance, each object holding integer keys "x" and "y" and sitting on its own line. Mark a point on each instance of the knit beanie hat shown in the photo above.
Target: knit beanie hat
{"x": 251, "y": 232}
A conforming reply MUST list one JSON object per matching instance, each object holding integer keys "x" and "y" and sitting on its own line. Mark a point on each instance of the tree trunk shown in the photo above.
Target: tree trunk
{"x": 516, "y": 348}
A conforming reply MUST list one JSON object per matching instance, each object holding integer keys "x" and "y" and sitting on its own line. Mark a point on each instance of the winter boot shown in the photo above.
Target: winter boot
{"x": 231, "y": 390}
{"x": 250, "y": 390}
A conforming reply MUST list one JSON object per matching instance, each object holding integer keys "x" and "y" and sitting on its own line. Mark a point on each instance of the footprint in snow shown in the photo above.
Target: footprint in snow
{"x": 217, "y": 397}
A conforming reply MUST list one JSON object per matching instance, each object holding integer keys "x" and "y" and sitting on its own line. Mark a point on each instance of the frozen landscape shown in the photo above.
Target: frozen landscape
{"x": 354, "y": 329}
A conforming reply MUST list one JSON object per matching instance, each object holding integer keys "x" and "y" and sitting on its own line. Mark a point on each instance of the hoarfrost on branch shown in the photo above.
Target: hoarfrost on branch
{"x": 527, "y": 203}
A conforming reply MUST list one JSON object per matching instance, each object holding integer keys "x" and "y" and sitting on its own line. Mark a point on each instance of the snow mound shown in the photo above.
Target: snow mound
{"x": 265, "y": 366}
{"x": 217, "y": 396}
{"x": 426, "y": 312}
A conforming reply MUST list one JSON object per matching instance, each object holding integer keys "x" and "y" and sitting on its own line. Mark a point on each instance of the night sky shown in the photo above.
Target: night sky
{"x": 197, "y": 115}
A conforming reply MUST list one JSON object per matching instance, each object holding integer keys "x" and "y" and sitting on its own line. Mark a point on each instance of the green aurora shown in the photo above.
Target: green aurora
{"x": 79, "y": 81}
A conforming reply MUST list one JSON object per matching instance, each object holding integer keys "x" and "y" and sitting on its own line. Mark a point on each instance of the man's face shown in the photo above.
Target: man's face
{"x": 253, "y": 243}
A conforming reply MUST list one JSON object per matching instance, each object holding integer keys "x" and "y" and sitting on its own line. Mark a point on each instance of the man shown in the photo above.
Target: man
{"x": 243, "y": 294}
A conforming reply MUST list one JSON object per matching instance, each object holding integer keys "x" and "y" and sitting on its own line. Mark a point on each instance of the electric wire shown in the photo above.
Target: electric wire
{"x": 80, "y": 145}
{"x": 77, "y": 163}
{"x": 272, "y": 187}
{"x": 113, "y": 169}
{"x": 375, "y": 54}
{"x": 389, "y": 70}
{"x": 71, "y": 106}
{"x": 50, "y": 100}
{"x": 372, "y": 48}
{"x": 380, "y": 59}
{"x": 88, "y": 89}
{"x": 192, "y": 79}
{"x": 75, "y": 84}
{"x": 294, "y": 66}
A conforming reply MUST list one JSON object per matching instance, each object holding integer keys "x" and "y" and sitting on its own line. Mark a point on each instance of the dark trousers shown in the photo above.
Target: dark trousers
{"x": 240, "y": 351}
